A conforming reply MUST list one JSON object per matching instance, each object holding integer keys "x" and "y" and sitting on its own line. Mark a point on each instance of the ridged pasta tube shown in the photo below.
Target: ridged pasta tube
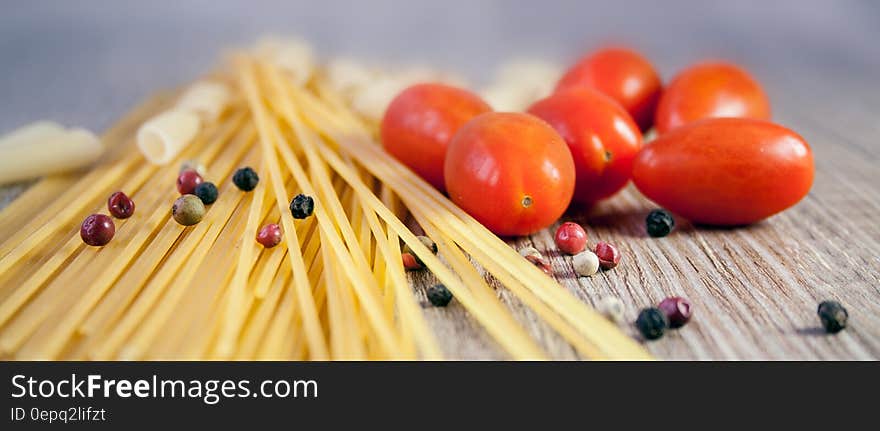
{"x": 162, "y": 137}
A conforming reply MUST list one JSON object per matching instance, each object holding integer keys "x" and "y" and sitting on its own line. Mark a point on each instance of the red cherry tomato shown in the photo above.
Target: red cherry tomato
{"x": 712, "y": 89}
{"x": 510, "y": 171}
{"x": 420, "y": 122}
{"x": 622, "y": 74}
{"x": 726, "y": 171}
{"x": 601, "y": 136}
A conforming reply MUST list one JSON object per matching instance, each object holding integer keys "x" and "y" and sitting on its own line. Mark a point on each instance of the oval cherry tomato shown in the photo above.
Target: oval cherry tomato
{"x": 712, "y": 89}
{"x": 601, "y": 136}
{"x": 726, "y": 171}
{"x": 622, "y": 74}
{"x": 420, "y": 122}
{"x": 512, "y": 172}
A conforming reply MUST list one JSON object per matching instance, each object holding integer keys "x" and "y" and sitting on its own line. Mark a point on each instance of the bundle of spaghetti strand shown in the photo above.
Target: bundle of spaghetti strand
{"x": 335, "y": 288}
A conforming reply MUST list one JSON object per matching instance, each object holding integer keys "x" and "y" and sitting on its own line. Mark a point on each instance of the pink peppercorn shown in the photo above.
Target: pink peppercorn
{"x": 677, "y": 310}
{"x": 410, "y": 262}
{"x": 571, "y": 238}
{"x": 120, "y": 205}
{"x": 269, "y": 235}
{"x": 97, "y": 230}
{"x": 608, "y": 255}
{"x": 187, "y": 182}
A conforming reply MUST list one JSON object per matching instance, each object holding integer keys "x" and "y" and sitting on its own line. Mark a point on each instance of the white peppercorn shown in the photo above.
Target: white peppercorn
{"x": 611, "y": 308}
{"x": 585, "y": 263}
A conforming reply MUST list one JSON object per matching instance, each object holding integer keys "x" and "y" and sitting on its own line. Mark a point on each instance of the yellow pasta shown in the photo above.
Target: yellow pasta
{"x": 207, "y": 98}
{"x": 335, "y": 288}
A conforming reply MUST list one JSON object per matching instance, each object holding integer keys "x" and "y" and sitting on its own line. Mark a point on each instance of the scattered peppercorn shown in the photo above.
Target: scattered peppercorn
{"x": 207, "y": 192}
{"x": 188, "y": 210}
{"x": 536, "y": 258}
{"x": 427, "y": 242}
{"x": 833, "y": 316}
{"x": 187, "y": 182}
{"x": 97, "y": 230}
{"x": 677, "y": 309}
{"x": 652, "y": 323}
{"x": 585, "y": 263}
{"x": 570, "y": 238}
{"x": 611, "y": 308}
{"x": 120, "y": 205}
{"x": 410, "y": 263}
{"x": 439, "y": 295}
{"x": 245, "y": 179}
{"x": 659, "y": 223}
{"x": 302, "y": 206}
{"x": 608, "y": 255}
{"x": 193, "y": 165}
{"x": 269, "y": 235}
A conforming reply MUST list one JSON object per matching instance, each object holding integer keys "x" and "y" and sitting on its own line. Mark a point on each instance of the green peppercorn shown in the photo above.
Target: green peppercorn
{"x": 833, "y": 316}
{"x": 424, "y": 240}
{"x": 302, "y": 206}
{"x": 188, "y": 210}
{"x": 245, "y": 179}
{"x": 439, "y": 295}
{"x": 659, "y": 223}
{"x": 207, "y": 192}
{"x": 652, "y": 323}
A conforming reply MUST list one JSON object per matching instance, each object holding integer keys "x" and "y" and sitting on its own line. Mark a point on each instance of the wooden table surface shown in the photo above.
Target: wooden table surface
{"x": 755, "y": 290}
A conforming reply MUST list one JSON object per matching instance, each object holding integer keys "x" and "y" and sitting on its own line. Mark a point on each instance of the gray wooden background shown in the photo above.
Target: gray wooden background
{"x": 88, "y": 62}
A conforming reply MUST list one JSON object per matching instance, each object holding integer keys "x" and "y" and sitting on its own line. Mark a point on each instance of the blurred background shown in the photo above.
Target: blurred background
{"x": 87, "y": 62}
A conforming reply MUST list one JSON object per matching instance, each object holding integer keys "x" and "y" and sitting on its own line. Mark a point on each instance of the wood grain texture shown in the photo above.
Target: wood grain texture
{"x": 755, "y": 289}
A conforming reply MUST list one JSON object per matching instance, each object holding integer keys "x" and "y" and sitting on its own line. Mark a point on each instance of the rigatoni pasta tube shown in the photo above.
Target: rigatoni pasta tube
{"x": 48, "y": 153}
{"x": 165, "y": 135}
{"x": 206, "y": 98}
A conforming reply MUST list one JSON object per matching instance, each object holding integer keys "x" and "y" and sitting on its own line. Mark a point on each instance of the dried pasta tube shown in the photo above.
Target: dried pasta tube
{"x": 206, "y": 98}
{"x": 294, "y": 56}
{"x": 47, "y": 153}
{"x": 162, "y": 137}
{"x": 32, "y": 133}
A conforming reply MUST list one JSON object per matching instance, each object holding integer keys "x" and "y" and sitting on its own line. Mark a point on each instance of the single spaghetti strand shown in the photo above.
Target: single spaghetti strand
{"x": 313, "y": 333}
{"x": 353, "y": 264}
{"x": 366, "y": 294}
{"x": 414, "y": 328}
{"x": 513, "y": 332}
{"x": 233, "y": 314}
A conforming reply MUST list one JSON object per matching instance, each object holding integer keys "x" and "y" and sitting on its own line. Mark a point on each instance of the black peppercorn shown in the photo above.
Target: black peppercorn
{"x": 245, "y": 179}
{"x": 833, "y": 316}
{"x": 439, "y": 295}
{"x": 652, "y": 323}
{"x": 207, "y": 192}
{"x": 302, "y": 206}
{"x": 659, "y": 223}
